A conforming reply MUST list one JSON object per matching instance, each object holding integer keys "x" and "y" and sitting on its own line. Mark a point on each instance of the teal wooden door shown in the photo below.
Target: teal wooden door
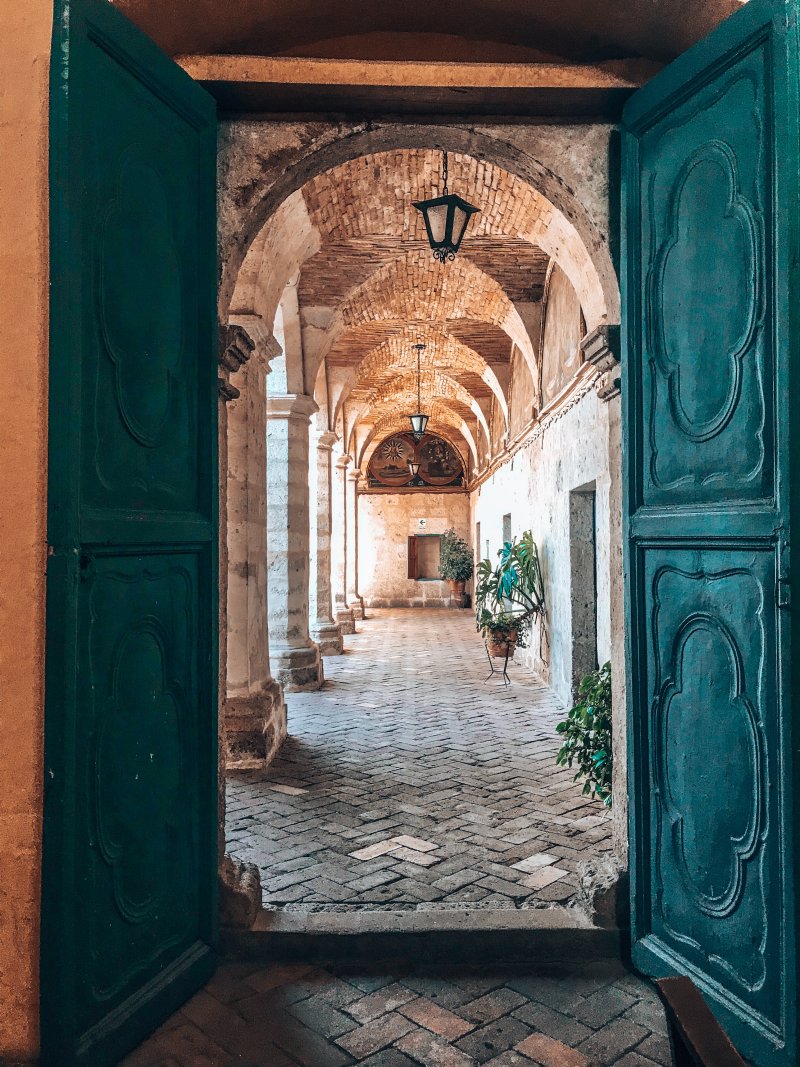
{"x": 711, "y": 297}
{"x": 131, "y": 678}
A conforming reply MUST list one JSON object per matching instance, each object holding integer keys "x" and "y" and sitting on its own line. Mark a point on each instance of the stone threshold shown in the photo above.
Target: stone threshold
{"x": 497, "y": 936}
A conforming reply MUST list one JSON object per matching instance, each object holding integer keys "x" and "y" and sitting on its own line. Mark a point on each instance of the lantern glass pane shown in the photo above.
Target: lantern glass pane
{"x": 414, "y": 468}
{"x": 437, "y": 220}
{"x": 418, "y": 424}
{"x": 460, "y": 218}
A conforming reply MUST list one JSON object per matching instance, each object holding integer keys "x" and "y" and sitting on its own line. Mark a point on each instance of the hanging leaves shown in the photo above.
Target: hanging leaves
{"x": 587, "y": 735}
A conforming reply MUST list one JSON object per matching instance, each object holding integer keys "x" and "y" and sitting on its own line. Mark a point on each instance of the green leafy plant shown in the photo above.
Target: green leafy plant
{"x": 509, "y": 596}
{"x": 455, "y": 562}
{"x": 502, "y": 626}
{"x": 587, "y": 735}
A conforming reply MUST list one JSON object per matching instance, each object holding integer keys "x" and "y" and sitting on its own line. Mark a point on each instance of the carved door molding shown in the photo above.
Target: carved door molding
{"x": 129, "y": 877}
{"x": 710, "y": 340}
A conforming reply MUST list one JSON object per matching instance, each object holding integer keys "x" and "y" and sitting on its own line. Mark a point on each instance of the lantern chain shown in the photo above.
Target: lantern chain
{"x": 444, "y": 172}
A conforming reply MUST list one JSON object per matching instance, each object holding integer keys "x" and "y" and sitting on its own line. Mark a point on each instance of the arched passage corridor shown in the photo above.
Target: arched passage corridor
{"x": 506, "y": 349}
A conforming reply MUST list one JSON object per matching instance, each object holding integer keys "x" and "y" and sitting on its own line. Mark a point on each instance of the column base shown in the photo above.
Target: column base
{"x": 255, "y": 727}
{"x": 239, "y": 889}
{"x": 297, "y": 669}
{"x": 357, "y": 605}
{"x": 346, "y": 620}
{"x": 328, "y": 636}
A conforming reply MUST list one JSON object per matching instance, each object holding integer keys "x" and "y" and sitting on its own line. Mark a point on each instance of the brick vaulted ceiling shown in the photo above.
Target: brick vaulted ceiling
{"x": 375, "y": 272}
{"x": 368, "y": 289}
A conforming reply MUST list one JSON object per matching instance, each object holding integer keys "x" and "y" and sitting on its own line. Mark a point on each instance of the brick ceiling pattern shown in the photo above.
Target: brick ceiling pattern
{"x": 443, "y": 353}
{"x": 367, "y": 274}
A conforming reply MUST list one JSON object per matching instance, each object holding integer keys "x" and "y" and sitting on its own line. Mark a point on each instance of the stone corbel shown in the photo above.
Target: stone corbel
{"x": 234, "y": 348}
{"x": 600, "y": 348}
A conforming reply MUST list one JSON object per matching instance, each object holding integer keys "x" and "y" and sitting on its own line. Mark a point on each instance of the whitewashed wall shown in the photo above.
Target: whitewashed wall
{"x": 534, "y": 486}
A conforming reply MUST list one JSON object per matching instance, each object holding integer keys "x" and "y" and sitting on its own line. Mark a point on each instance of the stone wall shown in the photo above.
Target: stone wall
{"x": 386, "y": 521}
{"x": 534, "y": 485}
{"x": 24, "y": 61}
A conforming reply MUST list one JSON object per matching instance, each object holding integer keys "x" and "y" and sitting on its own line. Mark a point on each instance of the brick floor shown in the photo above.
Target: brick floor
{"x": 285, "y": 1016}
{"x": 409, "y": 781}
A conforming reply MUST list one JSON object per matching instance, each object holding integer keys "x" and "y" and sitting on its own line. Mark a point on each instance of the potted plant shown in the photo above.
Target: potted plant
{"x": 510, "y": 596}
{"x": 587, "y": 735}
{"x": 455, "y": 564}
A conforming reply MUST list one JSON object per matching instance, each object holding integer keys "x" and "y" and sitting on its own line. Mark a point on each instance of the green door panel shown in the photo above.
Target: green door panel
{"x": 710, "y": 331}
{"x": 128, "y": 910}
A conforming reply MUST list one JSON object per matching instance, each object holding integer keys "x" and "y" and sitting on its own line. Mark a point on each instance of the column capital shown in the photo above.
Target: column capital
{"x": 296, "y": 406}
{"x": 601, "y": 348}
{"x": 234, "y": 348}
{"x": 354, "y": 475}
{"x": 343, "y": 462}
{"x": 326, "y": 440}
{"x": 266, "y": 346}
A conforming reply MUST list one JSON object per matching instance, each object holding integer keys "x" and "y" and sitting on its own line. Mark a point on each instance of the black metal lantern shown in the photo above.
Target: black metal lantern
{"x": 446, "y": 219}
{"x": 418, "y": 420}
{"x": 413, "y": 466}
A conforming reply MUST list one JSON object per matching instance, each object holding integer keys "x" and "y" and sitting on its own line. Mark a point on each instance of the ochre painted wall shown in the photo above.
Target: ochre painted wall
{"x": 24, "y": 62}
{"x": 385, "y": 522}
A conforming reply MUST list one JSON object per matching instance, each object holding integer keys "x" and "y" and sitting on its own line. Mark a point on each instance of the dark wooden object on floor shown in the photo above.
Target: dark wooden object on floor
{"x": 696, "y": 1037}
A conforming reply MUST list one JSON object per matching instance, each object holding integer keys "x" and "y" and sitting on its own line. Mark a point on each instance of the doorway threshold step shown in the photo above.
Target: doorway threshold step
{"x": 498, "y": 936}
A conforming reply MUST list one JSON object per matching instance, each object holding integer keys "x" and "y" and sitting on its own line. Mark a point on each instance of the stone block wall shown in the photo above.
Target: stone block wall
{"x": 386, "y": 521}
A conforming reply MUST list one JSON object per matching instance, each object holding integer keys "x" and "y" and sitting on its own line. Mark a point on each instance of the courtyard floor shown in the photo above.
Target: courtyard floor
{"x": 409, "y": 781}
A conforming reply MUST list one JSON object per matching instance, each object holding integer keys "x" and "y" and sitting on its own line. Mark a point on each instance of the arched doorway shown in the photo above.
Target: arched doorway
{"x": 346, "y": 251}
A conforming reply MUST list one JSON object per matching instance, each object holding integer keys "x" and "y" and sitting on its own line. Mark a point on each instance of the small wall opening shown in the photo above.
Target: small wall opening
{"x": 583, "y": 581}
{"x": 506, "y": 528}
{"x": 427, "y": 549}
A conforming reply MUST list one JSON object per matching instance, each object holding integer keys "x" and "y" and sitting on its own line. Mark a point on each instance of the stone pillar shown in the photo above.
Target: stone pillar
{"x": 353, "y": 598}
{"x": 341, "y": 611}
{"x": 324, "y": 630}
{"x": 295, "y": 658}
{"x": 601, "y": 348}
{"x": 254, "y": 711}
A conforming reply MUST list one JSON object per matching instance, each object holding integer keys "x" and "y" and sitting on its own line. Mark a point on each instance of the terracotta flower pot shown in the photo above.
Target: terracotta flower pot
{"x": 457, "y": 591}
{"x": 496, "y": 644}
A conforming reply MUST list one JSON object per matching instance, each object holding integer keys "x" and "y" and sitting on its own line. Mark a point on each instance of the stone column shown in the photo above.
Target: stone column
{"x": 254, "y": 709}
{"x": 353, "y": 598}
{"x": 295, "y": 658}
{"x": 341, "y": 610}
{"x": 324, "y": 630}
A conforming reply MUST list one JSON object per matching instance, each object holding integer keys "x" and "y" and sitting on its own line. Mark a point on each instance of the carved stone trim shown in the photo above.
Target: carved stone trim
{"x": 265, "y": 343}
{"x": 234, "y": 348}
{"x": 600, "y": 348}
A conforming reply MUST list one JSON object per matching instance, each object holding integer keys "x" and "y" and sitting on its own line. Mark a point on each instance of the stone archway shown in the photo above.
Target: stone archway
{"x": 250, "y": 195}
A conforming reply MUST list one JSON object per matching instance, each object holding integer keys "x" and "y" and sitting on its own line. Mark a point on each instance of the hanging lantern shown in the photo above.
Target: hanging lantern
{"x": 418, "y": 420}
{"x": 413, "y": 466}
{"x": 446, "y": 219}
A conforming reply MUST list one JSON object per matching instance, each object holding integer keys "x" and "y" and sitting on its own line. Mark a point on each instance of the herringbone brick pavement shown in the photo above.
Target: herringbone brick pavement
{"x": 303, "y": 1016}
{"x": 409, "y": 781}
